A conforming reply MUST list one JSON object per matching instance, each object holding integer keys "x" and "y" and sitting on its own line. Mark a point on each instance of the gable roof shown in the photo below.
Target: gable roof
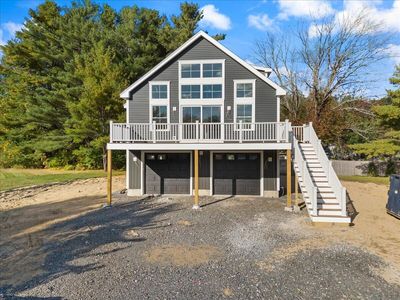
{"x": 279, "y": 91}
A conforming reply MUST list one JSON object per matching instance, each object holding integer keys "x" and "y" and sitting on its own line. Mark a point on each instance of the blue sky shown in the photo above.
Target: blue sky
{"x": 246, "y": 21}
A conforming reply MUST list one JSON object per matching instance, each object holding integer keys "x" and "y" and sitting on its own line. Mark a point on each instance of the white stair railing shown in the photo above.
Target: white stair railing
{"x": 306, "y": 180}
{"x": 334, "y": 182}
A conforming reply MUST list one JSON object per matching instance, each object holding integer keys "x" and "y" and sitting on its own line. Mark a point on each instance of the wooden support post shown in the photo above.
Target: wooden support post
{"x": 196, "y": 180}
{"x": 296, "y": 197}
{"x": 289, "y": 179}
{"x": 109, "y": 177}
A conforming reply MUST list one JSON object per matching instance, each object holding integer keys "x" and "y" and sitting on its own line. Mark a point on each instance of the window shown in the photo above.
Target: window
{"x": 190, "y": 91}
{"x": 211, "y": 114}
{"x": 244, "y": 90}
{"x": 212, "y": 70}
{"x": 212, "y": 91}
{"x": 241, "y": 157}
{"x": 159, "y": 91}
{"x": 190, "y": 70}
{"x": 244, "y": 113}
{"x": 160, "y": 114}
{"x": 191, "y": 114}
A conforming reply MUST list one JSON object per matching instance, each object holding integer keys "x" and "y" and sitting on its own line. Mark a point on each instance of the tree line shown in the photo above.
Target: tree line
{"x": 61, "y": 76}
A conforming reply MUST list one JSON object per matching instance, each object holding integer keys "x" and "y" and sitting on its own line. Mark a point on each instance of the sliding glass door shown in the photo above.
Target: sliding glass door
{"x": 209, "y": 119}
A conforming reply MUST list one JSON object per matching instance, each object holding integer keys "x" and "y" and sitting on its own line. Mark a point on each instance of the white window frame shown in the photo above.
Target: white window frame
{"x": 243, "y": 101}
{"x": 159, "y": 102}
{"x": 201, "y": 81}
{"x": 201, "y": 111}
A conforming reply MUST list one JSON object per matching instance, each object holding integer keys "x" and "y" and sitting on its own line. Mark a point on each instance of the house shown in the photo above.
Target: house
{"x": 205, "y": 122}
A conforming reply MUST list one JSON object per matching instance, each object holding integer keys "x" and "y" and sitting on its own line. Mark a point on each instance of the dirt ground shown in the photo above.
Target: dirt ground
{"x": 25, "y": 216}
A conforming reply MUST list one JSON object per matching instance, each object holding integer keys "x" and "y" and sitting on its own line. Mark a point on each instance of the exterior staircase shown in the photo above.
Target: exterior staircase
{"x": 323, "y": 194}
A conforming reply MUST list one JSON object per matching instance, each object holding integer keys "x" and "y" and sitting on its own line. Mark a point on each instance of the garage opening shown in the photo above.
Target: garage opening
{"x": 167, "y": 173}
{"x": 236, "y": 174}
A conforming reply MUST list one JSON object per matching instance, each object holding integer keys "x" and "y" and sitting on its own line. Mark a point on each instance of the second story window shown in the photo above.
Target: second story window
{"x": 212, "y": 70}
{"x": 211, "y": 91}
{"x": 190, "y": 91}
{"x": 190, "y": 70}
{"x": 159, "y": 91}
{"x": 160, "y": 114}
{"x": 244, "y": 90}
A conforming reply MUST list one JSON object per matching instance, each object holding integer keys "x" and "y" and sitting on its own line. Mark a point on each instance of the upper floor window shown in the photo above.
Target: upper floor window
{"x": 160, "y": 114}
{"x": 190, "y": 91}
{"x": 212, "y": 70}
{"x": 244, "y": 90}
{"x": 190, "y": 70}
{"x": 212, "y": 91}
{"x": 159, "y": 91}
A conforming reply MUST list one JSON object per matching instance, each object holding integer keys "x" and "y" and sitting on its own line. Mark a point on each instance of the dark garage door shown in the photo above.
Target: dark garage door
{"x": 167, "y": 173}
{"x": 236, "y": 174}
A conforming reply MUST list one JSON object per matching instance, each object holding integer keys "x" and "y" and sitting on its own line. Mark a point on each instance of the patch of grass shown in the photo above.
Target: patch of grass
{"x": 366, "y": 179}
{"x": 13, "y": 178}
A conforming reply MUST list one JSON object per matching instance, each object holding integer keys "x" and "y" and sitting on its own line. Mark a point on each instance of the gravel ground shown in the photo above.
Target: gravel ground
{"x": 160, "y": 248}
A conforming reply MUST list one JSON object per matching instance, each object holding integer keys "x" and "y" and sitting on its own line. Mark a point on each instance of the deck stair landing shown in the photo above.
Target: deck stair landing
{"x": 319, "y": 183}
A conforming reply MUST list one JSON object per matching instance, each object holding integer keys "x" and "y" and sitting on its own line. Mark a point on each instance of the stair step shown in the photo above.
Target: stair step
{"x": 326, "y": 206}
{"x": 330, "y": 219}
{"x": 329, "y": 212}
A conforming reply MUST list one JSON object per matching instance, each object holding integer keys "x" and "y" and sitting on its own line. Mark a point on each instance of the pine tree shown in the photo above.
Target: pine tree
{"x": 389, "y": 119}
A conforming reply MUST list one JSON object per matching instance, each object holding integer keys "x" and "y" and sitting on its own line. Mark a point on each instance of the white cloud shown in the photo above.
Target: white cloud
{"x": 261, "y": 22}
{"x": 213, "y": 18}
{"x": 394, "y": 52}
{"x": 2, "y": 42}
{"x": 388, "y": 18}
{"x": 305, "y": 8}
{"x": 12, "y": 27}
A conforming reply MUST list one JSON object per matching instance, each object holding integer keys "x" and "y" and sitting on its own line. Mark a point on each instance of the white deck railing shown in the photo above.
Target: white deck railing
{"x": 310, "y": 136}
{"x": 199, "y": 132}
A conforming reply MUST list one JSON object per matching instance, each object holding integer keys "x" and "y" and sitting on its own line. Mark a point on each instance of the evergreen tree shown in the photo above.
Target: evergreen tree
{"x": 60, "y": 78}
{"x": 389, "y": 119}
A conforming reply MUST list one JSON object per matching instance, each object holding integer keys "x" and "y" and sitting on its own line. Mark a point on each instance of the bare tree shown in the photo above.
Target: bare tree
{"x": 328, "y": 60}
{"x": 278, "y": 54}
{"x": 337, "y": 54}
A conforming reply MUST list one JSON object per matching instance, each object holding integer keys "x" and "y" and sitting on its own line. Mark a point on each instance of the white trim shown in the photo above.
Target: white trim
{"x": 169, "y": 151}
{"x": 245, "y": 101}
{"x": 199, "y": 146}
{"x": 159, "y": 102}
{"x": 278, "y": 172}
{"x": 127, "y": 169}
{"x": 220, "y": 105}
{"x": 279, "y": 91}
{"x": 211, "y": 172}
{"x": 142, "y": 172}
{"x": 238, "y": 151}
{"x": 278, "y": 108}
{"x": 201, "y": 81}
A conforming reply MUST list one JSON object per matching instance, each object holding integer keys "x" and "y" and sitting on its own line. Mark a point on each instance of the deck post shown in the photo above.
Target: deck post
{"x": 196, "y": 179}
{"x": 289, "y": 180}
{"x": 109, "y": 177}
{"x": 296, "y": 197}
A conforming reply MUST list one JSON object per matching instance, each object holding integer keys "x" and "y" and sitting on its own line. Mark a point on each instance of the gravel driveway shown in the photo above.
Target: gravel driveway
{"x": 159, "y": 248}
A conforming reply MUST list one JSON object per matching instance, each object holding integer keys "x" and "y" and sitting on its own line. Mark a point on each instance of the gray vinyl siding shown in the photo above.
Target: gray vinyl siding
{"x": 270, "y": 170}
{"x": 266, "y": 102}
{"x": 134, "y": 169}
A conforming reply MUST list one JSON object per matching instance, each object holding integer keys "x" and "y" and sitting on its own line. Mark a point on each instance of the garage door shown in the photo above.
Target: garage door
{"x": 167, "y": 173}
{"x": 236, "y": 174}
